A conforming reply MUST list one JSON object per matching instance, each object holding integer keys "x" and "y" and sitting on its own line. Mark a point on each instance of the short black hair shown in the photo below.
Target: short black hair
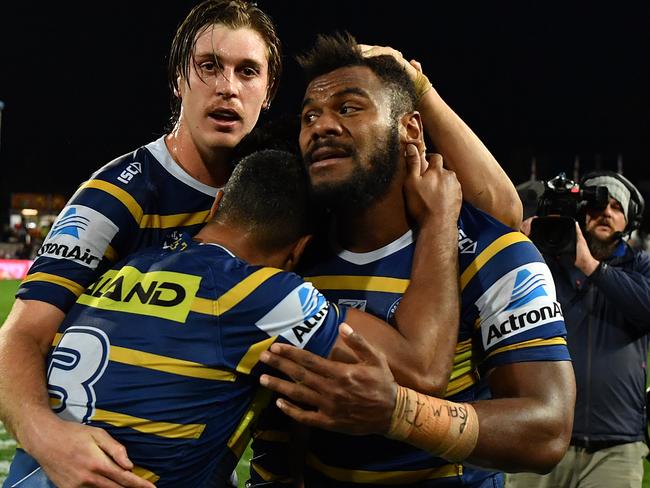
{"x": 341, "y": 50}
{"x": 268, "y": 196}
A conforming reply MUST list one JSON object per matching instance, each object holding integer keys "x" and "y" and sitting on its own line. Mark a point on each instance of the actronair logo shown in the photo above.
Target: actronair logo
{"x": 297, "y": 316}
{"x": 528, "y": 286}
{"x": 529, "y": 306}
{"x": 70, "y": 223}
{"x": 80, "y": 234}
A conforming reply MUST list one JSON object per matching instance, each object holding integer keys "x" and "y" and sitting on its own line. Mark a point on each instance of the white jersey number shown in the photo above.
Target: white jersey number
{"x": 77, "y": 363}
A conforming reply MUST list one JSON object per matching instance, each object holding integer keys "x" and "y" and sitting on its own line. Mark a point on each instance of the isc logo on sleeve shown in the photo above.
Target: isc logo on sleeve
{"x": 79, "y": 234}
{"x": 297, "y": 316}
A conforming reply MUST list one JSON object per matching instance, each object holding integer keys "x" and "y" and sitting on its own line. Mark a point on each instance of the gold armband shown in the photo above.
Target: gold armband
{"x": 445, "y": 429}
{"x": 422, "y": 85}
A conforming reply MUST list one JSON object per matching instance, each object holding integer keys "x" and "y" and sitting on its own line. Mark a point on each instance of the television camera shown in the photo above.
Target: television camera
{"x": 562, "y": 204}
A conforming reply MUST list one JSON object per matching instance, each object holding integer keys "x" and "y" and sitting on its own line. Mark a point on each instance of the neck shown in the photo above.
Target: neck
{"x": 210, "y": 166}
{"x": 376, "y": 226}
{"x": 240, "y": 242}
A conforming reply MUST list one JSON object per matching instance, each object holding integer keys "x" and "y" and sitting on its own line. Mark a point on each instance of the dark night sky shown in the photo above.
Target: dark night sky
{"x": 84, "y": 83}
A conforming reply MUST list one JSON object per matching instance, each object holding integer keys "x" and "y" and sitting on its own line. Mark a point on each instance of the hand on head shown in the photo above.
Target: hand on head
{"x": 413, "y": 68}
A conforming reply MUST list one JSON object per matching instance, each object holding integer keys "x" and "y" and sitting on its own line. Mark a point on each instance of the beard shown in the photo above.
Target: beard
{"x": 602, "y": 248}
{"x": 364, "y": 185}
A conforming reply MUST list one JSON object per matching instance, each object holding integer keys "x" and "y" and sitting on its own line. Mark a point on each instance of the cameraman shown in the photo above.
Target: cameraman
{"x": 605, "y": 298}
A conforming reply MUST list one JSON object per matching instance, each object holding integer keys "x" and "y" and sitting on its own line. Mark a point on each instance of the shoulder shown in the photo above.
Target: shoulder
{"x": 125, "y": 168}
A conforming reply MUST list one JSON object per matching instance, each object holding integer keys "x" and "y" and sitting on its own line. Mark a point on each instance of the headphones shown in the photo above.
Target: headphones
{"x": 636, "y": 205}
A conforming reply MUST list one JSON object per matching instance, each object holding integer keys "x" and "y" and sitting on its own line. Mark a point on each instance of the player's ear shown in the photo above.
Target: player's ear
{"x": 215, "y": 205}
{"x": 177, "y": 90}
{"x": 296, "y": 252}
{"x": 411, "y": 130}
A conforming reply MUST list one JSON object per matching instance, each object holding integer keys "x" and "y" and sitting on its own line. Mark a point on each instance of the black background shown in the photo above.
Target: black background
{"x": 86, "y": 82}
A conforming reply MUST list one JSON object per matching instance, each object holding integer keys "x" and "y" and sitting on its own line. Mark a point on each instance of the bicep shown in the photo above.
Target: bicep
{"x": 551, "y": 383}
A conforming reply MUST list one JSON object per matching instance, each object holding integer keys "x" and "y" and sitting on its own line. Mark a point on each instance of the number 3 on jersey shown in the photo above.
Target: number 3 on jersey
{"x": 76, "y": 364}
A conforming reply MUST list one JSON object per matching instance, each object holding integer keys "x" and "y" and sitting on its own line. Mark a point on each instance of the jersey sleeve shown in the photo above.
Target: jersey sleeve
{"x": 520, "y": 319}
{"x": 90, "y": 234}
{"x": 284, "y": 309}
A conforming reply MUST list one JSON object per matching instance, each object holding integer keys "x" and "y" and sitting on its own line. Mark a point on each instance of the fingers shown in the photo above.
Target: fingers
{"x": 306, "y": 417}
{"x": 296, "y": 363}
{"x": 113, "y": 448}
{"x": 525, "y": 226}
{"x": 413, "y": 160}
{"x": 435, "y": 161}
{"x": 118, "y": 466}
{"x": 416, "y": 65}
{"x": 371, "y": 51}
{"x": 297, "y": 392}
{"x": 359, "y": 345}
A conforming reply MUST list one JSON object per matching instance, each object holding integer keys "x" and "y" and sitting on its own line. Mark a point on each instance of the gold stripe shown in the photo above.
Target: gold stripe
{"x": 147, "y": 221}
{"x": 145, "y": 474}
{"x": 168, "y": 365}
{"x": 487, "y": 254}
{"x": 153, "y": 221}
{"x": 361, "y": 283}
{"x": 147, "y": 360}
{"x": 252, "y": 356}
{"x": 235, "y": 295}
{"x": 464, "y": 373}
{"x": 204, "y": 305}
{"x": 554, "y": 341}
{"x": 70, "y": 285}
{"x": 381, "y": 478}
{"x": 161, "y": 429}
{"x": 464, "y": 346}
{"x": 111, "y": 254}
{"x": 461, "y": 383}
{"x": 123, "y": 196}
{"x": 242, "y": 435}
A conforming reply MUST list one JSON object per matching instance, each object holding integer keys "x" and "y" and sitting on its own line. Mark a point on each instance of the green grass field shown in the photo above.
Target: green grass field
{"x": 8, "y": 445}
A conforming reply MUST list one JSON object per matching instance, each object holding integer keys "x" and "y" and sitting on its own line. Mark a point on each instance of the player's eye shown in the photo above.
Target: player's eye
{"x": 348, "y": 109}
{"x": 309, "y": 117}
{"x": 249, "y": 71}
{"x": 208, "y": 67}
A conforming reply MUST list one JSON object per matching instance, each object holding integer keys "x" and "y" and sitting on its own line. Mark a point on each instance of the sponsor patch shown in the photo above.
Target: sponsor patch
{"x": 79, "y": 234}
{"x": 522, "y": 300}
{"x": 507, "y": 325}
{"x": 297, "y": 316}
{"x": 165, "y": 294}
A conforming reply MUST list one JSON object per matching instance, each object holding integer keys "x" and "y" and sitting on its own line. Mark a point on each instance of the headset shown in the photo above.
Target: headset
{"x": 636, "y": 205}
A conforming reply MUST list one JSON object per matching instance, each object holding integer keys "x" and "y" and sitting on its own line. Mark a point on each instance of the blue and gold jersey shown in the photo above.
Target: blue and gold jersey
{"x": 162, "y": 352}
{"x": 509, "y": 314}
{"x": 133, "y": 202}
